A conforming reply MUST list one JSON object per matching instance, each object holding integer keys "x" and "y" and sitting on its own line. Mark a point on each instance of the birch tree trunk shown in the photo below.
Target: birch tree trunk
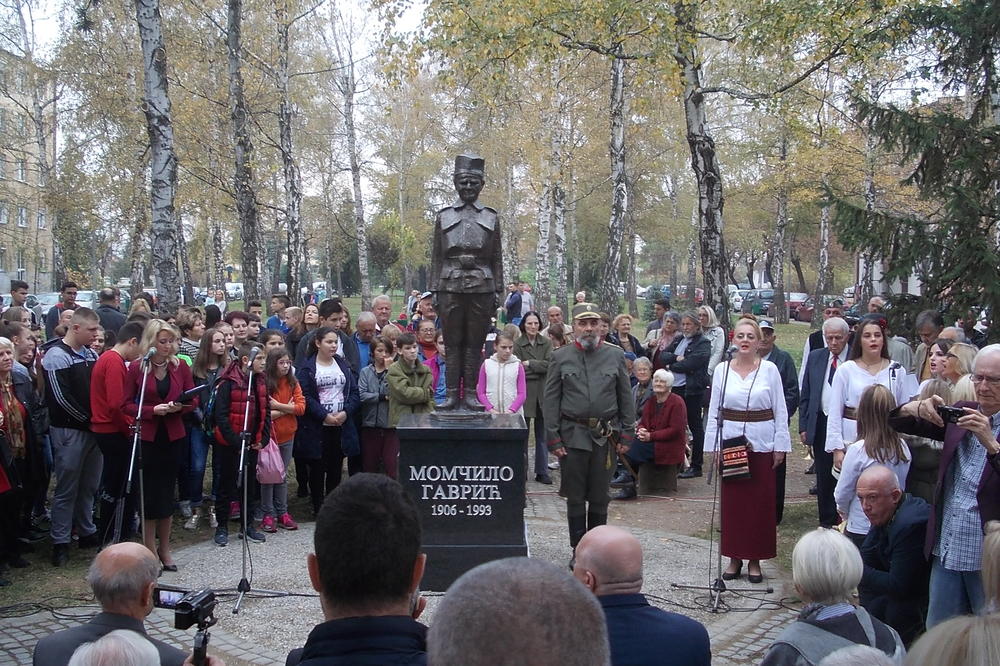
{"x": 508, "y": 226}
{"x": 163, "y": 160}
{"x": 218, "y": 263}
{"x": 136, "y": 249}
{"x": 608, "y": 289}
{"x": 187, "y": 281}
{"x": 544, "y": 221}
{"x": 778, "y": 240}
{"x": 348, "y": 89}
{"x": 246, "y": 203}
{"x": 866, "y": 281}
{"x": 560, "y": 296}
{"x": 289, "y": 166}
{"x": 706, "y": 172}
{"x": 823, "y": 270}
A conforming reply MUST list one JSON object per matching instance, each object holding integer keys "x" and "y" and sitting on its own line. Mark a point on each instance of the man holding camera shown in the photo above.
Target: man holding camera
{"x": 968, "y": 488}
{"x": 367, "y": 569}
{"x": 122, "y": 577}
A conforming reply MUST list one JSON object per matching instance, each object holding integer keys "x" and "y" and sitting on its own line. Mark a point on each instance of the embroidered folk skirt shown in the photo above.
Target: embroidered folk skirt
{"x": 749, "y": 531}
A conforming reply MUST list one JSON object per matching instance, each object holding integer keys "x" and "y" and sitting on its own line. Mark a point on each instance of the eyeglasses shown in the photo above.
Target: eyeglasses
{"x": 978, "y": 379}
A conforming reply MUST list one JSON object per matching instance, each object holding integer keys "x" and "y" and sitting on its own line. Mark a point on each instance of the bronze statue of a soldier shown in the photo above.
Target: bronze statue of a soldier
{"x": 467, "y": 278}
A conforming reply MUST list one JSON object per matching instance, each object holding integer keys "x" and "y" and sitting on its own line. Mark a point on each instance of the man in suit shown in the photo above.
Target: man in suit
{"x": 609, "y": 564}
{"x": 968, "y": 488}
{"x": 820, "y": 367}
{"x": 122, "y": 577}
{"x": 894, "y": 583}
{"x": 789, "y": 380}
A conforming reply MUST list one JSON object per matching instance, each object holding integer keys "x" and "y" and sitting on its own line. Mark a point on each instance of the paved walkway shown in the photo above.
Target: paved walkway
{"x": 268, "y": 627}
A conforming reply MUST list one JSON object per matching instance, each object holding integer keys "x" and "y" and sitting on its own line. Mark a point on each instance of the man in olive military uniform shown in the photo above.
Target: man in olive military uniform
{"x": 588, "y": 410}
{"x": 467, "y": 277}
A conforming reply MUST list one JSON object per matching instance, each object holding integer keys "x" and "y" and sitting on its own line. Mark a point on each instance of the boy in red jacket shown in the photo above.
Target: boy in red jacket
{"x": 230, "y": 408}
{"x": 112, "y": 429}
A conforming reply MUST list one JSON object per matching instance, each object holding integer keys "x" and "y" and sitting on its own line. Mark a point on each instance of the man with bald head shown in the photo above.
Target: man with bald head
{"x": 894, "y": 584}
{"x": 517, "y": 611}
{"x": 122, "y": 578}
{"x": 609, "y": 563}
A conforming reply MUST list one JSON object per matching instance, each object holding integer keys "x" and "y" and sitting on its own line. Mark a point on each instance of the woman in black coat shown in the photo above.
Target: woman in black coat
{"x": 687, "y": 357}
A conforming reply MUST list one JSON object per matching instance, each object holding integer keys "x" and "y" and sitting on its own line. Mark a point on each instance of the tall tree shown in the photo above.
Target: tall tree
{"x": 243, "y": 185}
{"x": 952, "y": 240}
{"x": 292, "y": 178}
{"x": 163, "y": 160}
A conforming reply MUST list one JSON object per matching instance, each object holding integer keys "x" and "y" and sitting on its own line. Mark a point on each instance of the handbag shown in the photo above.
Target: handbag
{"x": 270, "y": 466}
{"x": 734, "y": 463}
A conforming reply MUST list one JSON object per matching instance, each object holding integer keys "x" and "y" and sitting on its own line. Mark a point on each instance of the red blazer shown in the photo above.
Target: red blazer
{"x": 180, "y": 381}
{"x": 667, "y": 429}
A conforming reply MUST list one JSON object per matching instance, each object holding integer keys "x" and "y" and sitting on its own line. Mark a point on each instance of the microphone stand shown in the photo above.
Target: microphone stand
{"x": 241, "y": 480}
{"x": 135, "y": 461}
{"x": 717, "y": 586}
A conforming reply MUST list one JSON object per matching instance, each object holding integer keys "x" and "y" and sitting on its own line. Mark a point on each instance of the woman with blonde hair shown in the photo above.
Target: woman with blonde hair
{"x": 877, "y": 443}
{"x": 140, "y": 305}
{"x": 754, "y": 417}
{"x": 968, "y": 640}
{"x": 621, "y": 335}
{"x": 162, "y": 429}
{"x": 711, "y": 329}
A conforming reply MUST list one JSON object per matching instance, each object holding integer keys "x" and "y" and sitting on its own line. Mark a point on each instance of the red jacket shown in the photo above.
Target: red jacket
{"x": 230, "y": 405}
{"x": 666, "y": 428}
{"x": 107, "y": 395}
{"x": 180, "y": 381}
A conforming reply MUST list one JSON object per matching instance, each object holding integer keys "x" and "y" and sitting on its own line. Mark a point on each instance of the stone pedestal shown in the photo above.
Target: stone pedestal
{"x": 467, "y": 477}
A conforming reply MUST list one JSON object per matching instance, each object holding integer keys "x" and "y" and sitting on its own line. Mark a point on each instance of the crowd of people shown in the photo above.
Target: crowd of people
{"x": 912, "y": 484}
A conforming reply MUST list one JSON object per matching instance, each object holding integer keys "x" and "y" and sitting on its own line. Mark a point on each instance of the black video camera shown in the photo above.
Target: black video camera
{"x": 190, "y": 608}
{"x": 950, "y": 414}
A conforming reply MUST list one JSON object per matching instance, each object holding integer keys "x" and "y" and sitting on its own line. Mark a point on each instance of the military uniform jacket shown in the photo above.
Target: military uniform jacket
{"x": 587, "y": 385}
{"x": 466, "y": 256}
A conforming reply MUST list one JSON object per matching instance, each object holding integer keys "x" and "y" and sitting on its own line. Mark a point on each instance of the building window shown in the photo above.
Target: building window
{"x": 22, "y": 216}
{"x": 3, "y": 260}
{"x": 21, "y": 170}
{"x": 3, "y": 167}
{"x": 3, "y": 213}
{"x": 41, "y": 219}
{"x": 21, "y": 268}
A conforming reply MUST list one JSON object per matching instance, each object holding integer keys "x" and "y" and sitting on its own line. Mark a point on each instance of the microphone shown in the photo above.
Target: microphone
{"x": 732, "y": 350}
{"x": 149, "y": 355}
{"x": 253, "y": 354}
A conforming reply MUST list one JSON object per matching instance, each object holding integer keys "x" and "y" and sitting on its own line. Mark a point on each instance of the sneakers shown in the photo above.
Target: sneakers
{"x": 554, "y": 464}
{"x": 221, "y": 536}
{"x": 213, "y": 522}
{"x": 234, "y": 511}
{"x": 253, "y": 534}
{"x": 268, "y": 524}
{"x": 286, "y": 522}
{"x": 192, "y": 522}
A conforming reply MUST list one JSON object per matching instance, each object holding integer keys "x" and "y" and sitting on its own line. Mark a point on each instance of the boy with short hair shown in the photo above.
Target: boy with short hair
{"x": 230, "y": 406}
{"x": 411, "y": 389}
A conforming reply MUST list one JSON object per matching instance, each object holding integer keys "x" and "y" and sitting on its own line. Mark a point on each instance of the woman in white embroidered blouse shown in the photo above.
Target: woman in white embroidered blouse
{"x": 868, "y": 364}
{"x": 753, "y": 406}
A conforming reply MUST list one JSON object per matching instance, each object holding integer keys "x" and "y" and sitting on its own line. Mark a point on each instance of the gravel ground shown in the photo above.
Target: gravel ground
{"x": 280, "y": 624}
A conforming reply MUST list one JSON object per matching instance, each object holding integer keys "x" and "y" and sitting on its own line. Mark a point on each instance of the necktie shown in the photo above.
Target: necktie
{"x": 833, "y": 369}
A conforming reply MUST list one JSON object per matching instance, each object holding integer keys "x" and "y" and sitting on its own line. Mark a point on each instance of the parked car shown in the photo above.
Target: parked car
{"x": 85, "y": 299}
{"x": 793, "y": 300}
{"x": 760, "y": 302}
{"x": 736, "y": 301}
{"x": 699, "y": 294}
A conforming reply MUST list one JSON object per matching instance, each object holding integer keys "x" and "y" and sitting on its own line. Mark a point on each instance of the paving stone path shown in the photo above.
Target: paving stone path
{"x": 267, "y": 628}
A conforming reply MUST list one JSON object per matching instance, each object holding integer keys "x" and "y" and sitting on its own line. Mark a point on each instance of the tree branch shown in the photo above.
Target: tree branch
{"x": 750, "y": 96}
